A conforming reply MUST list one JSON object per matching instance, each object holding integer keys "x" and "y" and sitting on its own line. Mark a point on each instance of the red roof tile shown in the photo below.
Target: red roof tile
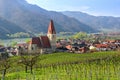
{"x": 45, "y": 42}
{"x": 22, "y": 44}
{"x": 69, "y": 47}
{"x": 36, "y": 40}
{"x": 51, "y": 29}
{"x": 101, "y": 45}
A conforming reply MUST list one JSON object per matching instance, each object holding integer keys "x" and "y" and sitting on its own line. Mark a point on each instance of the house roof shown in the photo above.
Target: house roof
{"x": 101, "y": 45}
{"x": 79, "y": 45}
{"x": 36, "y": 40}
{"x": 51, "y": 28}
{"x": 42, "y": 41}
{"x": 45, "y": 42}
{"x": 69, "y": 47}
{"x": 22, "y": 44}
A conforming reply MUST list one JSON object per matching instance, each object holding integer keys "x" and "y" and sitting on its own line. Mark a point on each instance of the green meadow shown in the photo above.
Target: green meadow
{"x": 68, "y": 66}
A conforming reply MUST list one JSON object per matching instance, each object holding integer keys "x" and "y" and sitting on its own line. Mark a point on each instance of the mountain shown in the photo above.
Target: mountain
{"x": 97, "y": 22}
{"x": 7, "y": 27}
{"x": 34, "y": 19}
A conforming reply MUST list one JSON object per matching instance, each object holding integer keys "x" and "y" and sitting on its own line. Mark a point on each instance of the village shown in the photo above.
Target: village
{"x": 49, "y": 44}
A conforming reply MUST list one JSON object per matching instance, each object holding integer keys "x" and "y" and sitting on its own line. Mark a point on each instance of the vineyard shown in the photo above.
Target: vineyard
{"x": 67, "y": 66}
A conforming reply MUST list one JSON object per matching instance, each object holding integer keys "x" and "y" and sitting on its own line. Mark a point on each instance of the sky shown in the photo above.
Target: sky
{"x": 93, "y": 7}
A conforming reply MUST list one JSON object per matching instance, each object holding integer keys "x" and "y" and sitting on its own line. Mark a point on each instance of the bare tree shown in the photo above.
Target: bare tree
{"x": 4, "y": 64}
{"x": 29, "y": 61}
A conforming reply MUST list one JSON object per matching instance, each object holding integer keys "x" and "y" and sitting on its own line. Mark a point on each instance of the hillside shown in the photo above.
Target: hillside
{"x": 34, "y": 19}
{"x": 7, "y": 27}
{"x": 97, "y": 22}
{"x": 65, "y": 66}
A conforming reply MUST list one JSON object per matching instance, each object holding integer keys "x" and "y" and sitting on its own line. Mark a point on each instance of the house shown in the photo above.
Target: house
{"x": 44, "y": 44}
{"x": 92, "y": 48}
{"x": 78, "y": 48}
{"x": 102, "y": 47}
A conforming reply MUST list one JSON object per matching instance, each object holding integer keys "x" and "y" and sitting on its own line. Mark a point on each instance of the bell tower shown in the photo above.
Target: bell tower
{"x": 52, "y": 35}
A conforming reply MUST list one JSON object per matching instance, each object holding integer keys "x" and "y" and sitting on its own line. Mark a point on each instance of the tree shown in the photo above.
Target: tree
{"x": 29, "y": 61}
{"x": 27, "y": 40}
{"x": 4, "y": 64}
{"x": 80, "y": 35}
{"x": 13, "y": 43}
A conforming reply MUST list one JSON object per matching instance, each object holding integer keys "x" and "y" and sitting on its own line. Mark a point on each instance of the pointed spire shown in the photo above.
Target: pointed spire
{"x": 51, "y": 29}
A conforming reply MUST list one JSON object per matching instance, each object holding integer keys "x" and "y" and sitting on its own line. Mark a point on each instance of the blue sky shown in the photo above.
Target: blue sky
{"x": 94, "y": 7}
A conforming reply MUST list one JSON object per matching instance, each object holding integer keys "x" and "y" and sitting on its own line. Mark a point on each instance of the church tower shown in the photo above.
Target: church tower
{"x": 52, "y": 35}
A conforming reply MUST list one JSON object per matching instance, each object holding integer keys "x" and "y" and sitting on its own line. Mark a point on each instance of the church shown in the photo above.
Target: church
{"x": 44, "y": 44}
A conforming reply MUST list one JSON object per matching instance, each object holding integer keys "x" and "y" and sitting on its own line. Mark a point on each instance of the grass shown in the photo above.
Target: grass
{"x": 61, "y": 58}
{"x": 69, "y": 66}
